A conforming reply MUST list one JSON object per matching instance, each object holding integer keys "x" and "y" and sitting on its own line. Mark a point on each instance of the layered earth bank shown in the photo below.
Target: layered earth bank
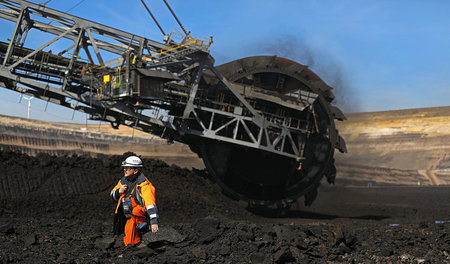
{"x": 404, "y": 147}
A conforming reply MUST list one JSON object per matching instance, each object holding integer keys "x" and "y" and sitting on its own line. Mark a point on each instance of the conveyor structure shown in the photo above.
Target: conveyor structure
{"x": 263, "y": 125}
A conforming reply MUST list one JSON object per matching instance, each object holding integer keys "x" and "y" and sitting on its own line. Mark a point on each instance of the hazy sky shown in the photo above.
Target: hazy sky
{"x": 379, "y": 55}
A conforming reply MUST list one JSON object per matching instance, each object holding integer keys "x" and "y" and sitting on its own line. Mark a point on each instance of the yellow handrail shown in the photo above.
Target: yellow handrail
{"x": 174, "y": 47}
{"x": 108, "y": 63}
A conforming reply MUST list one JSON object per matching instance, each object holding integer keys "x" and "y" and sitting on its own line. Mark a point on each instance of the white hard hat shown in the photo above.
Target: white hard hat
{"x": 132, "y": 161}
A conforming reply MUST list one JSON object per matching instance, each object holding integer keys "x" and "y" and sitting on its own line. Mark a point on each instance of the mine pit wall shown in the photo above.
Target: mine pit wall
{"x": 407, "y": 147}
{"x": 32, "y": 137}
{"x": 373, "y": 176}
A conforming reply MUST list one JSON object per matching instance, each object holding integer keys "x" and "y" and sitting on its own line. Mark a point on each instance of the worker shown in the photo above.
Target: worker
{"x": 136, "y": 205}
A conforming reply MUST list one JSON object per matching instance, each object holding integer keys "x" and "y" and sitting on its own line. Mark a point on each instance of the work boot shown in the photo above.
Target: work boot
{"x": 140, "y": 245}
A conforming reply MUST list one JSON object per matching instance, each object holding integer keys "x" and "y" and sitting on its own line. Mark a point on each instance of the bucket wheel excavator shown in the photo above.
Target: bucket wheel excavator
{"x": 264, "y": 126}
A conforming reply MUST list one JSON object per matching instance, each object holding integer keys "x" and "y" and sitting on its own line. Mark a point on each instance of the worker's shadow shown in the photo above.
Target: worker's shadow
{"x": 319, "y": 216}
{"x": 290, "y": 213}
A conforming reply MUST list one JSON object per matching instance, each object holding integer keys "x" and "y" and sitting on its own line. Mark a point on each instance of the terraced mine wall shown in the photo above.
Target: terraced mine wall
{"x": 409, "y": 147}
{"x": 32, "y": 137}
{"x": 404, "y": 147}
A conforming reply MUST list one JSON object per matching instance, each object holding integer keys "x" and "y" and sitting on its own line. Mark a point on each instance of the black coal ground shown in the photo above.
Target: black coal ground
{"x": 57, "y": 210}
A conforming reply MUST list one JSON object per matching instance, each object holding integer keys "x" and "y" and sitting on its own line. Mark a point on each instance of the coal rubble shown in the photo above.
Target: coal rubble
{"x": 58, "y": 210}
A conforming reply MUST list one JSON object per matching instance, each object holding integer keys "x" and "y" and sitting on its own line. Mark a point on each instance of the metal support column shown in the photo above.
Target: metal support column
{"x": 16, "y": 31}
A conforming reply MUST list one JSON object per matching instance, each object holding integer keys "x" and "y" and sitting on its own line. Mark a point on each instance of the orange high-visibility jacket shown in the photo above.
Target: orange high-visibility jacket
{"x": 144, "y": 195}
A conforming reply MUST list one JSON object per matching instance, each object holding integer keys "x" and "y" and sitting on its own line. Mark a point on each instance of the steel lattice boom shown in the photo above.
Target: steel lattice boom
{"x": 275, "y": 110}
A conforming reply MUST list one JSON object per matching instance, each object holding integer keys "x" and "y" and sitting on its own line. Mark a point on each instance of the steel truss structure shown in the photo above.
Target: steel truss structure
{"x": 175, "y": 77}
{"x": 17, "y": 68}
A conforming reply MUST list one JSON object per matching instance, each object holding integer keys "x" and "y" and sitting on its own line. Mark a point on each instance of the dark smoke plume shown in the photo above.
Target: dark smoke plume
{"x": 320, "y": 62}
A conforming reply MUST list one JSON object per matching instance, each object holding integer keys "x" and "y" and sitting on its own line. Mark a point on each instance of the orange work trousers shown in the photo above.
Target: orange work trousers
{"x": 132, "y": 235}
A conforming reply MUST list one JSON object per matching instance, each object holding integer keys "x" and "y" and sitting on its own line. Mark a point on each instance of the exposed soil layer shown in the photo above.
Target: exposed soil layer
{"x": 34, "y": 136}
{"x": 57, "y": 210}
{"x": 402, "y": 147}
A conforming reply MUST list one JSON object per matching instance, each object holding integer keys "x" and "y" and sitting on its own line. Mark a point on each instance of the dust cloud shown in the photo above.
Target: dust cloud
{"x": 319, "y": 61}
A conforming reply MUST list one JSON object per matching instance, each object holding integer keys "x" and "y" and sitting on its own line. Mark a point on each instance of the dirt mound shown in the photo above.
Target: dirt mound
{"x": 42, "y": 179}
{"x": 57, "y": 209}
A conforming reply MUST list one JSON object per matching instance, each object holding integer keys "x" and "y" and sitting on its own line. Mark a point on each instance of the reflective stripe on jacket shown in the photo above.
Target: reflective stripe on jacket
{"x": 145, "y": 196}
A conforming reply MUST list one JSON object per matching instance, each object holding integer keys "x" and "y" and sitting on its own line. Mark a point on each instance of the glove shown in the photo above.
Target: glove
{"x": 142, "y": 228}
